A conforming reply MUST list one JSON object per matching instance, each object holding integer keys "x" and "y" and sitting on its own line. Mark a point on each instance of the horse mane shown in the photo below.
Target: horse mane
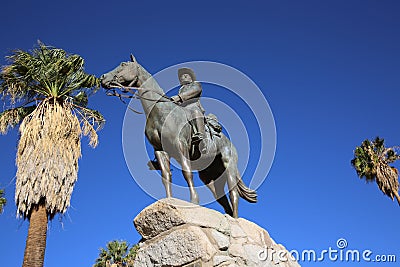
{"x": 147, "y": 80}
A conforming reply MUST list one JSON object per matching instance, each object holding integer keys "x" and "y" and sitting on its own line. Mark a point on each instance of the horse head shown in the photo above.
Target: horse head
{"x": 126, "y": 74}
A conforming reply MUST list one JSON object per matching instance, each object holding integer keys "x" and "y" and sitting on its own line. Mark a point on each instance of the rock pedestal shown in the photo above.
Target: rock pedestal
{"x": 178, "y": 233}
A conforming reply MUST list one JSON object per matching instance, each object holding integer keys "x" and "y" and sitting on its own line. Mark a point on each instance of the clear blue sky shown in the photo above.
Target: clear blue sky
{"x": 329, "y": 70}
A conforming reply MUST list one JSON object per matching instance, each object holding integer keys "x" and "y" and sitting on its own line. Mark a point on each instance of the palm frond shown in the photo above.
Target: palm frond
{"x": 387, "y": 180}
{"x": 364, "y": 161}
{"x": 47, "y": 158}
{"x": 92, "y": 121}
{"x": 117, "y": 252}
{"x": 45, "y": 71}
{"x": 3, "y": 201}
{"x": 12, "y": 117}
{"x": 371, "y": 161}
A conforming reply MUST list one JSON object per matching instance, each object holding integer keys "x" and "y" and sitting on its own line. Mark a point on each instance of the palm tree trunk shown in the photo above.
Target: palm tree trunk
{"x": 36, "y": 240}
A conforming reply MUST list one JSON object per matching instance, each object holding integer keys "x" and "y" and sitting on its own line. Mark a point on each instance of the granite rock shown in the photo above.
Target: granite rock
{"x": 178, "y": 233}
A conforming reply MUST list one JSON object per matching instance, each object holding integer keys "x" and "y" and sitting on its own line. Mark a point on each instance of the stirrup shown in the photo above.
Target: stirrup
{"x": 204, "y": 146}
{"x": 197, "y": 138}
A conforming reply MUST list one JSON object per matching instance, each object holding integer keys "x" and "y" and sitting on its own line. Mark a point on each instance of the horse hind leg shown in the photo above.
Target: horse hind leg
{"x": 164, "y": 161}
{"x": 222, "y": 198}
{"x": 217, "y": 189}
{"x": 232, "y": 186}
{"x": 233, "y": 194}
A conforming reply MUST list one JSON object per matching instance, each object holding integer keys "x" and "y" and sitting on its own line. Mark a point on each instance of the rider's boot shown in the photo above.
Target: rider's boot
{"x": 200, "y": 136}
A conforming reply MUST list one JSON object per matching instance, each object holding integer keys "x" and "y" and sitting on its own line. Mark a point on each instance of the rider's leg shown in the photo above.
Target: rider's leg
{"x": 200, "y": 136}
{"x": 198, "y": 118}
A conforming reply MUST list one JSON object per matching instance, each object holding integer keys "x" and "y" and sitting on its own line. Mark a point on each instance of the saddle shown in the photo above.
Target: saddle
{"x": 213, "y": 125}
{"x": 213, "y": 128}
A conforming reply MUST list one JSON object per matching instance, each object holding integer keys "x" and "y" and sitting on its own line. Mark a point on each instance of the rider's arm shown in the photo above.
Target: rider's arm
{"x": 194, "y": 92}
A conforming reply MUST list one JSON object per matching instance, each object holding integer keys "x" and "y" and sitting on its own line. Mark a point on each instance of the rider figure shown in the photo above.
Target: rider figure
{"x": 189, "y": 97}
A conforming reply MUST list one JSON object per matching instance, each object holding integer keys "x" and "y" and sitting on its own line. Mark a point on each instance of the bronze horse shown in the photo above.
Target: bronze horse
{"x": 169, "y": 132}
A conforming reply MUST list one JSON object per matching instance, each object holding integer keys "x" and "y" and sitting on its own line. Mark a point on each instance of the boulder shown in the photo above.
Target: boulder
{"x": 179, "y": 233}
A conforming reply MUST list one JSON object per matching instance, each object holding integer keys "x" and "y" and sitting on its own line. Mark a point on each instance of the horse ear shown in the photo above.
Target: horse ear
{"x": 133, "y": 59}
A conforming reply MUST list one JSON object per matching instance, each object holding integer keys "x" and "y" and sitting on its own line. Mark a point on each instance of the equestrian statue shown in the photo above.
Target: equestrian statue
{"x": 177, "y": 127}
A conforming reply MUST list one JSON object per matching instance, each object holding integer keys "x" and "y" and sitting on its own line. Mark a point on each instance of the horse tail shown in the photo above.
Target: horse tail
{"x": 246, "y": 193}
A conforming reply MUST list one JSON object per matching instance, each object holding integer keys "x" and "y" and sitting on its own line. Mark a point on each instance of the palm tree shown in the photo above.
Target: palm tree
{"x": 46, "y": 91}
{"x": 118, "y": 253}
{"x": 2, "y": 200}
{"x": 371, "y": 161}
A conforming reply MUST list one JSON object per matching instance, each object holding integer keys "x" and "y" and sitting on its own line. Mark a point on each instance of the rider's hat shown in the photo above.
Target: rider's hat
{"x": 189, "y": 71}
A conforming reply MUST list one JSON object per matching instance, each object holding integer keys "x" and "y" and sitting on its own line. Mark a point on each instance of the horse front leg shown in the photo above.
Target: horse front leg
{"x": 164, "y": 161}
{"x": 187, "y": 173}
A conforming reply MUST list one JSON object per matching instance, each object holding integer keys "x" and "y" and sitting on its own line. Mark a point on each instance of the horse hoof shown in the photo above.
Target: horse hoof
{"x": 195, "y": 201}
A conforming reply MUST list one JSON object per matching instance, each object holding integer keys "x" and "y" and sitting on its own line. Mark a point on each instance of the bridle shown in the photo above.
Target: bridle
{"x": 131, "y": 91}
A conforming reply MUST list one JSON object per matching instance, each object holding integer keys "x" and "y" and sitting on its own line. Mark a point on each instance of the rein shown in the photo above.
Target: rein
{"x": 134, "y": 94}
